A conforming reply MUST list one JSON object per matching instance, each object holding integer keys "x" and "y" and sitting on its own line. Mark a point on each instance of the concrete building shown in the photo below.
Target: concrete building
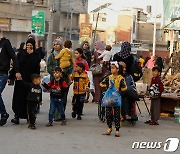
{"x": 135, "y": 27}
{"x": 145, "y": 36}
{"x": 106, "y": 22}
{"x": 15, "y": 18}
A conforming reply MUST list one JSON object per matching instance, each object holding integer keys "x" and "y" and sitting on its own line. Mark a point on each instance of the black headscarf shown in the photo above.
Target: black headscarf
{"x": 83, "y": 45}
{"x": 125, "y": 50}
{"x": 33, "y": 42}
{"x": 21, "y": 47}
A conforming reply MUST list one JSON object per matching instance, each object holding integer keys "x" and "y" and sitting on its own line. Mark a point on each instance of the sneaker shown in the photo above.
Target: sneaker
{"x": 73, "y": 114}
{"x": 49, "y": 124}
{"x": 79, "y": 117}
{"x": 63, "y": 122}
{"x": 15, "y": 120}
{"x": 4, "y": 118}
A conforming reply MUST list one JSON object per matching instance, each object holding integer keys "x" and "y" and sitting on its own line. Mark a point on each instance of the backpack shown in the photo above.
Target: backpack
{"x": 136, "y": 71}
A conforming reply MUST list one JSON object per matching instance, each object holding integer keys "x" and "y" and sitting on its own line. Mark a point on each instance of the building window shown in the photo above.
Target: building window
{"x": 103, "y": 19}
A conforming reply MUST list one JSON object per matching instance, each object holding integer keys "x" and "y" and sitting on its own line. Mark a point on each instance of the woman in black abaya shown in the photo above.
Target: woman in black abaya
{"x": 29, "y": 62}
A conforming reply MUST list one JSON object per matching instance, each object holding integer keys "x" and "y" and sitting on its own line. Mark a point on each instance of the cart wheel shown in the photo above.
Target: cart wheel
{"x": 99, "y": 111}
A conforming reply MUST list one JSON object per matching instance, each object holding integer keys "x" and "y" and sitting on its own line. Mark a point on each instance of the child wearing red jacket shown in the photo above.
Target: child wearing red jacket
{"x": 57, "y": 88}
{"x": 155, "y": 90}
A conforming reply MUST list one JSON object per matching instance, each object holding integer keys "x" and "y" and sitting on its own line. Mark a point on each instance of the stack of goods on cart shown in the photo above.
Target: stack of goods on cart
{"x": 172, "y": 82}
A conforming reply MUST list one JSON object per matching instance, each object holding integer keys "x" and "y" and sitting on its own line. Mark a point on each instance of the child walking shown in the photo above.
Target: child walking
{"x": 66, "y": 58}
{"x": 57, "y": 87}
{"x": 155, "y": 90}
{"x": 120, "y": 84}
{"x": 81, "y": 82}
{"x": 34, "y": 98}
{"x": 80, "y": 58}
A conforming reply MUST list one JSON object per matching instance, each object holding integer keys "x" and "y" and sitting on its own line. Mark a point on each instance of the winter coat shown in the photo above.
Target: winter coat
{"x": 28, "y": 64}
{"x": 6, "y": 54}
{"x": 81, "y": 82}
{"x": 128, "y": 61}
{"x": 65, "y": 58}
{"x": 51, "y": 64}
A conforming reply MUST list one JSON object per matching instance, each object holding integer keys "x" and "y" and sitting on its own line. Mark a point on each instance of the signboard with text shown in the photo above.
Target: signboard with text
{"x": 38, "y": 22}
{"x": 171, "y": 14}
{"x": 85, "y": 32}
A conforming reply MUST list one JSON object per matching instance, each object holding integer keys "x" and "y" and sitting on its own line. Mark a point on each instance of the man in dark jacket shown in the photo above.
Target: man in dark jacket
{"x": 6, "y": 54}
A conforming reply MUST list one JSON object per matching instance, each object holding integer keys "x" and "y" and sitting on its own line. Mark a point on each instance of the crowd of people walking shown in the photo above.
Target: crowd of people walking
{"x": 88, "y": 71}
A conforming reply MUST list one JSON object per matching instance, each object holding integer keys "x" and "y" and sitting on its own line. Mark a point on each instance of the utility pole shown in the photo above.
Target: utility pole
{"x": 70, "y": 31}
{"x": 171, "y": 47}
{"x": 49, "y": 37}
{"x": 154, "y": 34}
{"x": 67, "y": 22}
{"x": 94, "y": 37}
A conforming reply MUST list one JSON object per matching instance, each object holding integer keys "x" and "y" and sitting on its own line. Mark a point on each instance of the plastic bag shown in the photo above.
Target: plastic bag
{"x": 46, "y": 79}
{"x": 112, "y": 97}
{"x": 91, "y": 80}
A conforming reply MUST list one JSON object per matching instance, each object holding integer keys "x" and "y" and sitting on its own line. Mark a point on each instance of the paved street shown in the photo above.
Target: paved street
{"x": 80, "y": 137}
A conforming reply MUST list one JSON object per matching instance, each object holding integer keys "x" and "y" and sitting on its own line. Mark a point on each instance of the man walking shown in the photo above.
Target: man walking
{"x": 6, "y": 54}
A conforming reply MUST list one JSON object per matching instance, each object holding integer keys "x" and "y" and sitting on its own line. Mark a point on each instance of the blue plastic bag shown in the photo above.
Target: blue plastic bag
{"x": 111, "y": 97}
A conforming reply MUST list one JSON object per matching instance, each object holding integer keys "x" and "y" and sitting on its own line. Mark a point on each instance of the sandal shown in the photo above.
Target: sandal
{"x": 128, "y": 117}
{"x": 117, "y": 134}
{"x": 109, "y": 130}
{"x": 153, "y": 123}
{"x": 148, "y": 122}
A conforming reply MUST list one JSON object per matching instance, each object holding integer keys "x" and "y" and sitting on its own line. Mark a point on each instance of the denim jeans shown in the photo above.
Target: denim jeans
{"x": 56, "y": 103}
{"x": 3, "y": 81}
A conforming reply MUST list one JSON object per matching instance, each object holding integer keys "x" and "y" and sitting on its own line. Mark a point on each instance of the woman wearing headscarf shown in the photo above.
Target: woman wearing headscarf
{"x": 29, "y": 61}
{"x": 87, "y": 52}
{"x": 159, "y": 63}
{"x": 51, "y": 64}
{"x": 22, "y": 47}
{"x": 125, "y": 56}
{"x": 99, "y": 49}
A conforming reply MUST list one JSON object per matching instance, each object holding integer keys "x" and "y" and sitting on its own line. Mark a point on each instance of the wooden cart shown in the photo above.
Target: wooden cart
{"x": 169, "y": 101}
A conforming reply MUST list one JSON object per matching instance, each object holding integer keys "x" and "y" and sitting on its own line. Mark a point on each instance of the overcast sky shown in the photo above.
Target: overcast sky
{"x": 119, "y": 4}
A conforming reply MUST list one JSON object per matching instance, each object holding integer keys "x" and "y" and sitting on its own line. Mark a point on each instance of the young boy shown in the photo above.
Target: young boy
{"x": 34, "y": 98}
{"x": 80, "y": 87}
{"x": 155, "y": 90}
{"x": 57, "y": 87}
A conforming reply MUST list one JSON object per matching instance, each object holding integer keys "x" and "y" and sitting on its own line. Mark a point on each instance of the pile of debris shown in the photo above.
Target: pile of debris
{"x": 172, "y": 83}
